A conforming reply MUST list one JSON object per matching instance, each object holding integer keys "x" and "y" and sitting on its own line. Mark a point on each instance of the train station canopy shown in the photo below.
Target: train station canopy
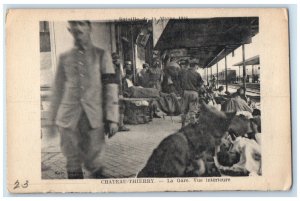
{"x": 209, "y": 39}
{"x": 251, "y": 61}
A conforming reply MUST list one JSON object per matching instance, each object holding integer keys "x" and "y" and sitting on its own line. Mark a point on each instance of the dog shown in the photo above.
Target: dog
{"x": 189, "y": 152}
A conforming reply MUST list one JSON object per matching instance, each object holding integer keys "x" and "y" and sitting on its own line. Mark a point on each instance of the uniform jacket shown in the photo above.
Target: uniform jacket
{"x": 191, "y": 80}
{"x": 85, "y": 82}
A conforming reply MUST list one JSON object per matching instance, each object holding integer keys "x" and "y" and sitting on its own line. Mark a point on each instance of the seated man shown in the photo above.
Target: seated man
{"x": 243, "y": 158}
{"x": 241, "y": 92}
{"x": 239, "y": 155}
{"x": 219, "y": 95}
{"x": 235, "y": 104}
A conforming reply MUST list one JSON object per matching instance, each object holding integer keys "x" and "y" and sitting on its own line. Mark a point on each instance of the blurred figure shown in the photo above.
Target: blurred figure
{"x": 84, "y": 102}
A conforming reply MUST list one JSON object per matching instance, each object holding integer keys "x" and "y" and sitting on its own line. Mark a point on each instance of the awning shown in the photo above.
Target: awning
{"x": 251, "y": 61}
{"x": 210, "y": 39}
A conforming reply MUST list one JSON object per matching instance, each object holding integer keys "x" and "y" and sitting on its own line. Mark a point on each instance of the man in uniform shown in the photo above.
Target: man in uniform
{"x": 143, "y": 75}
{"x": 155, "y": 76}
{"x": 120, "y": 74}
{"x": 128, "y": 65}
{"x": 85, "y": 102}
{"x": 191, "y": 82}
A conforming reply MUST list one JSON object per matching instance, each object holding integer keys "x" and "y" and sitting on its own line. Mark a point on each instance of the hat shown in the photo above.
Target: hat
{"x": 128, "y": 62}
{"x": 75, "y": 21}
{"x": 193, "y": 61}
{"x": 145, "y": 65}
{"x": 184, "y": 62}
{"x": 115, "y": 55}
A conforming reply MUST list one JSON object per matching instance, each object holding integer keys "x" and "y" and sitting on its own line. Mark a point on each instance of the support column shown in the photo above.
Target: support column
{"x": 113, "y": 43}
{"x": 244, "y": 67}
{"x": 53, "y": 47}
{"x": 207, "y": 75}
{"x": 133, "y": 55}
{"x": 226, "y": 81}
{"x": 239, "y": 74}
{"x": 217, "y": 75}
{"x": 252, "y": 74}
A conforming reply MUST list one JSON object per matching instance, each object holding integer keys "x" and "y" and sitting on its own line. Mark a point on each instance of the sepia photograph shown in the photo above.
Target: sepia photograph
{"x": 150, "y": 98}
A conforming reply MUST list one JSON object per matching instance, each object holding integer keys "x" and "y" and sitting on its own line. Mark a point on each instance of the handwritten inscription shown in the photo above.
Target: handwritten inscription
{"x": 19, "y": 184}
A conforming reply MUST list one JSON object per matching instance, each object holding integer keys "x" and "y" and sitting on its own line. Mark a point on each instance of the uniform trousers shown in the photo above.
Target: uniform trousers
{"x": 189, "y": 107}
{"x": 83, "y": 145}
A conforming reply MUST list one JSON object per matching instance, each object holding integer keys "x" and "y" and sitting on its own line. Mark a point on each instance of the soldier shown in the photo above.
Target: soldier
{"x": 85, "y": 102}
{"x": 191, "y": 82}
{"x": 155, "y": 76}
{"x": 128, "y": 65}
{"x": 120, "y": 74}
{"x": 143, "y": 75}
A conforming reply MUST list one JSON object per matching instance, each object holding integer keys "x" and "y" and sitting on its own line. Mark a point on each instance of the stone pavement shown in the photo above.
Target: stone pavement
{"x": 126, "y": 152}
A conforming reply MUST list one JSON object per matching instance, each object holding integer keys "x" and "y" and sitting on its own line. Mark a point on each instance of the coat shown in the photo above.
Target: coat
{"x": 85, "y": 81}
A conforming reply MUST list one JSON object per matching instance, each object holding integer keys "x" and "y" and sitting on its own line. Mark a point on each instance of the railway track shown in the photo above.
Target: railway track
{"x": 252, "y": 87}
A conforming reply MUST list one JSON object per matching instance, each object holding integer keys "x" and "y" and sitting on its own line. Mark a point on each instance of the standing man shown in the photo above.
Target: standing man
{"x": 120, "y": 74}
{"x": 155, "y": 76}
{"x": 143, "y": 75}
{"x": 128, "y": 65}
{"x": 191, "y": 82}
{"x": 213, "y": 82}
{"x": 85, "y": 102}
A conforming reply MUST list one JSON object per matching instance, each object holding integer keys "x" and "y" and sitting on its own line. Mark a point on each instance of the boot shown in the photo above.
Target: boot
{"x": 99, "y": 174}
{"x": 121, "y": 124}
{"x": 123, "y": 129}
{"x": 75, "y": 175}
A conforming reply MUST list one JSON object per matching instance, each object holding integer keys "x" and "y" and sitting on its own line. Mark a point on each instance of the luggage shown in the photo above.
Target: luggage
{"x": 137, "y": 112}
{"x": 139, "y": 92}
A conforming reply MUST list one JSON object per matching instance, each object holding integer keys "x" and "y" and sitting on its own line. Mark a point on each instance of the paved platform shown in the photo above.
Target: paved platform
{"x": 126, "y": 152}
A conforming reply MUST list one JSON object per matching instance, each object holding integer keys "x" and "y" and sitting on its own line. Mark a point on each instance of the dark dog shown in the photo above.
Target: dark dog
{"x": 181, "y": 154}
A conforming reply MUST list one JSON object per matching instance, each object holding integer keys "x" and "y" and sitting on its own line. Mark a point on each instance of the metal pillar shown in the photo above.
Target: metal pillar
{"x": 244, "y": 67}
{"x": 252, "y": 74}
{"x": 207, "y": 75}
{"x": 239, "y": 74}
{"x": 226, "y": 81}
{"x": 133, "y": 55}
{"x": 217, "y": 75}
